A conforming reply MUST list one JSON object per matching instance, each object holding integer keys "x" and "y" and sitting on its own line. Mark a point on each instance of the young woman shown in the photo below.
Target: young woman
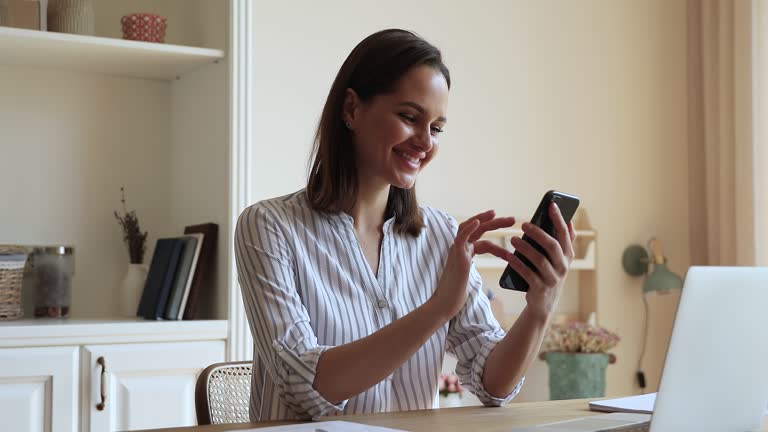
{"x": 352, "y": 290}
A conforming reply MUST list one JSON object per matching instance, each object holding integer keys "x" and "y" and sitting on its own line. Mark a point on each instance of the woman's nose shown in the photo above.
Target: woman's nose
{"x": 424, "y": 139}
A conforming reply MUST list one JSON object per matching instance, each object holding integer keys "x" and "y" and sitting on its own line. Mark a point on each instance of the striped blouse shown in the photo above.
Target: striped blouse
{"x": 307, "y": 287}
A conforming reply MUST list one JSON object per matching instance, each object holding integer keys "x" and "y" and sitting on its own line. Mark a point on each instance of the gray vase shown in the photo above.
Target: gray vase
{"x": 3, "y": 13}
{"x": 71, "y": 16}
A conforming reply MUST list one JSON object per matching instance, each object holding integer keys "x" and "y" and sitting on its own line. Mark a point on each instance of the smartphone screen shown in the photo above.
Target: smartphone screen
{"x": 568, "y": 204}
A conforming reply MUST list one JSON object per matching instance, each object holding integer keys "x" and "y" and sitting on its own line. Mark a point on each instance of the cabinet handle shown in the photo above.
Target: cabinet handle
{"x": 103, "y": 404}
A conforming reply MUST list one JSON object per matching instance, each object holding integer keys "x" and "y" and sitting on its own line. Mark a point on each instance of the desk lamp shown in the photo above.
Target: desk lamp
{"x": 636, "y": 262}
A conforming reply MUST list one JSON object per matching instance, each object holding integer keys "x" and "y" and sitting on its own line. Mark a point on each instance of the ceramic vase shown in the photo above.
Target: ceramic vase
{"x": 3, "y": 13}
{"x": 71, "y": 16}
{"x": 131, "y": 289}
{"x": 576, "y": 375}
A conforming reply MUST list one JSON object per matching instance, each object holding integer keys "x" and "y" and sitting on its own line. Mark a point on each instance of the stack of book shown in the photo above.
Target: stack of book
{"x": 179, "y": 270}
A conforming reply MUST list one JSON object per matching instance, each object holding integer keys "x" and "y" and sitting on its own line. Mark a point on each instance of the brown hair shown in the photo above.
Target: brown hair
{"x": 373, "y": 67}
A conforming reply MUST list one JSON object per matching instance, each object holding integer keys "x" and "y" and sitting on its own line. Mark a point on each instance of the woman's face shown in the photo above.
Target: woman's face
{"x": 397, "y": 134}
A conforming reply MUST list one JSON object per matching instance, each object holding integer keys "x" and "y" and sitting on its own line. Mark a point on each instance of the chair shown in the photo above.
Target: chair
{"x": 223, "y": 392}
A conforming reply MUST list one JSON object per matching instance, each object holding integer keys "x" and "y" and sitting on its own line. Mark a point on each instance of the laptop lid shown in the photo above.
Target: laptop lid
{"x": 715, "y": 375}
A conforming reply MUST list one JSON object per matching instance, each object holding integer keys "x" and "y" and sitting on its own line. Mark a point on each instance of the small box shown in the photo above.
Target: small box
{"x": 24, "y": 14}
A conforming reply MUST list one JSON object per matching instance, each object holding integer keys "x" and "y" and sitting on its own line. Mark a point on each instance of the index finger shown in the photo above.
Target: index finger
{"x": 494, "y": 224}
{"x": 480, "y": 217}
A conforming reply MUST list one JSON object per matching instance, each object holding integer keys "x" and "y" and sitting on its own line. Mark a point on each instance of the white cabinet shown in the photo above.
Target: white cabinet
{"x": 144, "y": 385}
{"x": 51, "y": 378}
{"x": 38, "y": 388}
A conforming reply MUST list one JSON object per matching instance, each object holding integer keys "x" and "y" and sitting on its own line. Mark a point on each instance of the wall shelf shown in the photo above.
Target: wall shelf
{"x": 108, "y": 56}
{"x": 583, "y": 261}
{"x": 583, "y": 269}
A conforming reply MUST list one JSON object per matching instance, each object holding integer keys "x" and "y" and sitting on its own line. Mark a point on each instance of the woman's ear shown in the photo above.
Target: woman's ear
{"x": 351, "y": 105}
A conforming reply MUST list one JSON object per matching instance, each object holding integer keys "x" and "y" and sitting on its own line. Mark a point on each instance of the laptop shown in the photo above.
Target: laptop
{"x": 715, "y": 375}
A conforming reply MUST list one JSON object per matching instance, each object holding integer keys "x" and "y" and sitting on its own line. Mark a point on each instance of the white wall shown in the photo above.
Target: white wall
{"x": 64, "y": 159}
{"x": 588, "y": 97}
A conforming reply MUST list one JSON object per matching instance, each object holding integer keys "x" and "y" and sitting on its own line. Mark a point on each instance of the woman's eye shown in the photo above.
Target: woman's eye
{"x": 436, "y": 130}
{"x": 408, "y": 117}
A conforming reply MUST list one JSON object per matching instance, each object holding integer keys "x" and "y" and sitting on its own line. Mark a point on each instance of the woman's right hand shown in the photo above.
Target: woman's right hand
{"x": 451, "y": 292}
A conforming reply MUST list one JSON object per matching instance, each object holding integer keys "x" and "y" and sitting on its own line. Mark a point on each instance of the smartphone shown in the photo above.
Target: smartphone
{"x": 568, "y": 204}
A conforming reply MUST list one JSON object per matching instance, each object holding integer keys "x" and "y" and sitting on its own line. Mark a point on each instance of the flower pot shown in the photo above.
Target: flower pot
{"x": 131, "y": 289}
{"x": 576, "y": 375}
{"x": 144, "y": 27}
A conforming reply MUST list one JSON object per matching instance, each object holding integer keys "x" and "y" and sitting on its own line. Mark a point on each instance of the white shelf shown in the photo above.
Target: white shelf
{"x": 48, "y": 332}
{"x": 502, "y": 237}
{"x": 510, "y": 232}
{"x": 101, "y": 55}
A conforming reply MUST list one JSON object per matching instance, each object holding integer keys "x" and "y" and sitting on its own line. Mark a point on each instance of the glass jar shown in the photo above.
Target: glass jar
{"x": 52, "y": 268}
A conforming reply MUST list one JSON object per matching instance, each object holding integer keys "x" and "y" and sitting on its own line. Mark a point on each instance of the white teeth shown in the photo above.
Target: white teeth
{"x": 412, "y": 159}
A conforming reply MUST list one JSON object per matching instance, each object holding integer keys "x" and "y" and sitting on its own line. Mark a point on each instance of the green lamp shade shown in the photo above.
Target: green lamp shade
{"x": 661, "y": 279}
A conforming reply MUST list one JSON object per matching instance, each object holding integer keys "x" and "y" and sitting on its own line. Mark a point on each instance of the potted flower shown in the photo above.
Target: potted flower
{"x": 450, "y": 390}
{"x": 577, "y": 355}
{"x": 135, "y": 240}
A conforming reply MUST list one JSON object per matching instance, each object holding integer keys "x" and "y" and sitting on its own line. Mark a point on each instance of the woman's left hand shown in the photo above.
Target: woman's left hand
{"x": 545, "y": 287}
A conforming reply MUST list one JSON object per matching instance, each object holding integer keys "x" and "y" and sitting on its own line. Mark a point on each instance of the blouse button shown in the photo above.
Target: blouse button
{"x": 382, "y": 303}
{"x": 277, "y": 346}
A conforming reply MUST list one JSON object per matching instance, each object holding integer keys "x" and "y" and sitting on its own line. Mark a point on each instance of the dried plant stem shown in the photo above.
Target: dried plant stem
{"x": 133, "y": 238}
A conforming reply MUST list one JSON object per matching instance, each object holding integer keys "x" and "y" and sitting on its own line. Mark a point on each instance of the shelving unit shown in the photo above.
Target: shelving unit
{"x": 582, "y": 268}
{"x": 87, "y": 115}
{"x": 502, "y": 237}
{"x": 80, "y": 117}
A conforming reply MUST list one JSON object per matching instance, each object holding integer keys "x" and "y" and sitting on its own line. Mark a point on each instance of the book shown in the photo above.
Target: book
{"x": 205, "y": 265}
{"x": 183, "y": 279}
{"x": 200, "y": 237}
{"x": 24, "y": 14}
{"x": 162, "y": 271}
{"x": 641, "y": 404}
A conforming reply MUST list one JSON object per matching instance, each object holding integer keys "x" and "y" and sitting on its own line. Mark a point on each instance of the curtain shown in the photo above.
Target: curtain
{"x": 727, "y": 164}
{"x": 760, "y": 127}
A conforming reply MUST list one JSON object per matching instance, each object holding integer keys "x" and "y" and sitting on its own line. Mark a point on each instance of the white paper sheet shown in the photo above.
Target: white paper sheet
{"x": 642, "y": 404}
{"x": 325, "y": 426}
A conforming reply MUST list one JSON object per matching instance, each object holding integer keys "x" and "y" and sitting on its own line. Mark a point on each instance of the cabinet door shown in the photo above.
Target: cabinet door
{"x": 145, "y": 385}
{"x": 38, "y": 389}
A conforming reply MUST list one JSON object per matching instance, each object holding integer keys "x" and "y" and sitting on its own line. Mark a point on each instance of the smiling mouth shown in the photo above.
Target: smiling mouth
{"x": 409, "y": 158}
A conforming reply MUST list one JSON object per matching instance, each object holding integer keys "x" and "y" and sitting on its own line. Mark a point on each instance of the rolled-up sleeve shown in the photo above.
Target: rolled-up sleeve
{"x": 279, "y": 322}
{"x": 472, "y": 334}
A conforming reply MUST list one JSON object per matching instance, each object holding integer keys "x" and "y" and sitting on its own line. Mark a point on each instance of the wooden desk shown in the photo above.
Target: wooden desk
{"x": 466, "y": 419}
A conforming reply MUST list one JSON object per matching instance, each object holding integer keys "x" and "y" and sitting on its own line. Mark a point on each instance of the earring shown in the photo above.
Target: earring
{"x": 349, "y": 126}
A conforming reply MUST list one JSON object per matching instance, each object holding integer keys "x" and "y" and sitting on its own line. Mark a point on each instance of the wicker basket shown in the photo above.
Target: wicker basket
{"x": 12, "y": 261}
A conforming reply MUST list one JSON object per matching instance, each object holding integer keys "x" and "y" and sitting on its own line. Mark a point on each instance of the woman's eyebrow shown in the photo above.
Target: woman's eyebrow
{"x": 420, "y": 109}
